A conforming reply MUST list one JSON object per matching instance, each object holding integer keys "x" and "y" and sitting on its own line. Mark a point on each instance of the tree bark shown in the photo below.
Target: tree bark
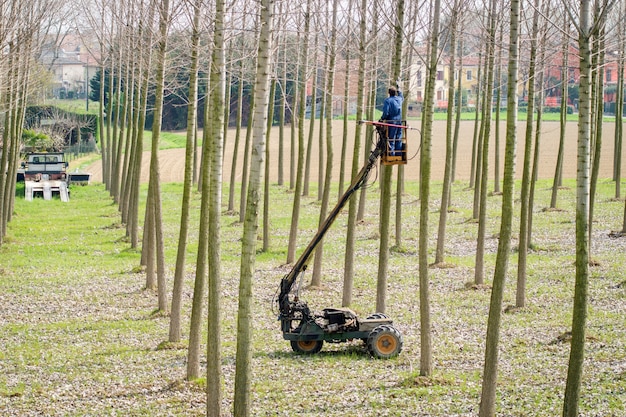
{"x": 316, "y": 279}
{"x": 426, "y": 362}
{"x": 348, "y": 274}
{"x": 233, "y": 169}
{"x": 346, "y": 96}
{"x": 248, "y": 251}
{"x": 200, "y": 282}
{"x": 155, "y": 198}
{"x": 447, "y": 176}
{"x": 304, "y": 60}
{"x": 596, "y": 151}
{"x": 218, "y": 105}
{"x": 313, "y": 115}
{"x": 579, "y": 317}
{"x": 520, "y": 294}
{"x": 490, "y": 369}
{"x": 266, "y": 177}
{"x": 558, "y": 172}
{"x": 192, "y": 111}
{"x": 619, "y": 108}
{"x": 482, "y": 174}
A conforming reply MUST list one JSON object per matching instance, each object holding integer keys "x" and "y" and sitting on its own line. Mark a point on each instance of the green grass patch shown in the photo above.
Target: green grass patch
{"x": 79, "y": 335}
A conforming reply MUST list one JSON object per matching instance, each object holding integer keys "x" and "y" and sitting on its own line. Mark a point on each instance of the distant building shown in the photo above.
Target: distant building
{"x": 340, "y": 102}
{"x": 72, "y": 65}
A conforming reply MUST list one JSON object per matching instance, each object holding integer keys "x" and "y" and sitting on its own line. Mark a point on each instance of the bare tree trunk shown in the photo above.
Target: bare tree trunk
{"x": 619, "y": 107}
{"x": 447, "y": 176}
{"x": 485, "y": 126}
{"x": 7, "y": 145}
{"x": 192, "y": 111}
{"x": 126, "y": 124}
{"x": 348, "y": 275}
{"x": 199, "y": 288}
{"x": 405, "y": 105}
{"x": 304, "y": 59}
{"x": 558, "y": 173}
{"x": 479, "y": 87}
{"x": 490, "y": 369}
{"x": 118, "y": 127}
{"x": 244, "y": 316}
{"x": 540, "y": 99}
{"x": 370, "y": 108}
{"x": 496, "y": 159}
{"x": 346, "y": 105}
{"x": 313, "y": 115}
{"x": 18, "y": 91}
{"x": 148, "y": 246}
{"x": 426, "y": 361}
{"x": 218, "y": 105}
{"x": 101, "y": 127}
{"x": 245, "y": 168}
{"x": 483, "y": 179}
{"x": 132, "y": 101}
{"x": 295, "y": 126}
{"x": 246, "y": 154}
{"x": 386, "y": 177}
{"x": 599, "y": 116}
{"x": 520, "y": 295}
{"x": 142, "y": 99}
{"x": 459, "y": 109}
{"x": 266, "y": 177}
{"x": 155, "y": 199}
{"x": 319, "y": 252}
{"x": 282, "y": 109}
{"x": 574, "y": 373}
{"x": 233, "y": 169}
{"x": 320, "y": 145}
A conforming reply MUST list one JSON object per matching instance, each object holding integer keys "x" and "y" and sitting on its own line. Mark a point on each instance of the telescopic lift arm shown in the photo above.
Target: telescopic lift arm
{"x": 288, "y": 281}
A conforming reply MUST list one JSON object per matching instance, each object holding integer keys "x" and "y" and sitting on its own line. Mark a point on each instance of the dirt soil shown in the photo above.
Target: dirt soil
{"x": 172, "y": 160}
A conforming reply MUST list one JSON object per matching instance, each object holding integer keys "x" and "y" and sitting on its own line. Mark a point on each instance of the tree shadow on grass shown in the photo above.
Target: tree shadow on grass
{"x": 354, "y": 350}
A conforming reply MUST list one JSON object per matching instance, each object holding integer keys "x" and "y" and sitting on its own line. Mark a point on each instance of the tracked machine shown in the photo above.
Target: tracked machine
{"x": 307, "y": 330}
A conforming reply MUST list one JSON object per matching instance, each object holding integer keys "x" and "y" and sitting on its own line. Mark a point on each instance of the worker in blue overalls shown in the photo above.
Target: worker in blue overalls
{"x": 392, "y": 113}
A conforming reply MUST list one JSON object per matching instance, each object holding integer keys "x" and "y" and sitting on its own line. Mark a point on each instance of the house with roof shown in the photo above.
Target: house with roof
{"x": 72, "y": 66}
{"x": 469, "y": 83}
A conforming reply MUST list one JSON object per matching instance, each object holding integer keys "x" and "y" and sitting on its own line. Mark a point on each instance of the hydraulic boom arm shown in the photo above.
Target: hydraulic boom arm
{"x": 301, "y": 264}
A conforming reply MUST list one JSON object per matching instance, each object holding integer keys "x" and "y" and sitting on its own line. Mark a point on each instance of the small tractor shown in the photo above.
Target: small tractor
{"x": 45, "y": 174}
{"x": 307, "y": 330}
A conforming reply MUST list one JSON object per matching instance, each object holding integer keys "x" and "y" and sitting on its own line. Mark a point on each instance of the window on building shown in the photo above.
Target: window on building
{"x": 439, "y": 75}
{"x": 609, "y": 75}
{"x": 419, "y": 78}
{"x": 469, "y": 75}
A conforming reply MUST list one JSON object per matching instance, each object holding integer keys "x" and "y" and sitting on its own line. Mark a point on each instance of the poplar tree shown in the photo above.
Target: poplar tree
{"x": 218, "y": 103}
{"x": 348, "y": 272}
{"x": 192, "y": 111}
{"x": 319, "y": 252}
{"x": 490, "y": 368}
{"x": 243, "y": 372}
{"x": 426, "y": 362}
{"x": 586, "y": 28}
{"x": 520, "y": 298}
{"x": 302, "y": 75}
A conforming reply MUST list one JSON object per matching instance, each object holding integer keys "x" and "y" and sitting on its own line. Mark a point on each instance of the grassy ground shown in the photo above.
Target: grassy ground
{"x": 79, "y": 337}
